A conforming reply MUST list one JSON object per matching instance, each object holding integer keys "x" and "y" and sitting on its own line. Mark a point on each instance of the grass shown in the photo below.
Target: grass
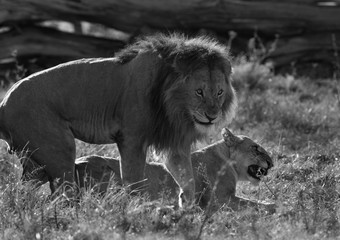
{"x": 295, "y": 119}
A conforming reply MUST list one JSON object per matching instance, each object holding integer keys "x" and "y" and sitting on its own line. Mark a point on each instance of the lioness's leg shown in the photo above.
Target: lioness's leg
{"x": 179, "y": 165}
{"x": 237, "y": 203}
{"x": 133, "y": 157}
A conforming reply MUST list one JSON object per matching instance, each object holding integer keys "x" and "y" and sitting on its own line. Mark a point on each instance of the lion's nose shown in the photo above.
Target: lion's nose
{"x": 210, "y": 118}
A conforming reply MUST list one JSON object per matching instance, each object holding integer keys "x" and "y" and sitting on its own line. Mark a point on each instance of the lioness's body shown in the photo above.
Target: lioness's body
{"x": 234, "y": 155}
{"x": 163, "y": 91}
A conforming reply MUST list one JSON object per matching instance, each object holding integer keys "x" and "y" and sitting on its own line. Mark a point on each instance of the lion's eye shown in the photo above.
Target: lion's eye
{"x": 220, "y": 92}
{"x": 199, "y": 92}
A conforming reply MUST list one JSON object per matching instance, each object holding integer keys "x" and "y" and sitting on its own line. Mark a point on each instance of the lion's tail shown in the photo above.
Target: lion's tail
{"x": 2, "y": 131}
{"x": 4, "y": 134}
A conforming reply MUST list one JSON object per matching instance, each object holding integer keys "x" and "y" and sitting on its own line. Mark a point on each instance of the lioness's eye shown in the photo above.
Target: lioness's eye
{"x": 258, "y": 149}
{"x": 255, "y": 148}
{"x": 220, "y": 92}
{"x": 199, "y": 92}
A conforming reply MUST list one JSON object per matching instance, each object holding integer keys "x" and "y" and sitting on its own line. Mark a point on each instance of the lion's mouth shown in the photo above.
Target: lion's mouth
{"x": 257, "y": 172}
{"x": 202, "y": 123}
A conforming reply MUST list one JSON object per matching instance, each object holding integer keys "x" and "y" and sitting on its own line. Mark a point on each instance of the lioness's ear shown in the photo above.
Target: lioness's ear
{"x": 229, "y": 137}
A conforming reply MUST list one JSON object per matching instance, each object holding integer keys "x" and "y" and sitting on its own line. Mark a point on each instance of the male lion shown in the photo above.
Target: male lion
{"x": 163, "y": 91}
{"x": 232, "y": 159}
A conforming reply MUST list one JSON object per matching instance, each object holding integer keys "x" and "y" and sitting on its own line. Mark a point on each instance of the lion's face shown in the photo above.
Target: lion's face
{"x": 210, "y": 96}
{"x": 253, "y": 162}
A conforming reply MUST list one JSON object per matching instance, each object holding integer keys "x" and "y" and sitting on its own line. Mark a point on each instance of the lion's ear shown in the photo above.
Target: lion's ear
{"x": 229, "y": 137}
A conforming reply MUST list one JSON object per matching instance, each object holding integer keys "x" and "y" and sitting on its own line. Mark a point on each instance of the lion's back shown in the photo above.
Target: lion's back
{"x": 71, "y": 92}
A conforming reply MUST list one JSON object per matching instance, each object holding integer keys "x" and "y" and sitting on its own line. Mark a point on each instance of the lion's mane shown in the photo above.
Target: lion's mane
{"x": 178, "y": 57}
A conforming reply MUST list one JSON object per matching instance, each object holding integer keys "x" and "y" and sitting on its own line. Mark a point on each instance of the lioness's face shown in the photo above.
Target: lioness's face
{"x": 210, "y": 96}
{"x": 253, "y": 162}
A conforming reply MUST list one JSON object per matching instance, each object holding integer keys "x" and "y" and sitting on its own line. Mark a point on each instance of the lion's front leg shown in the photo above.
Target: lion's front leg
{"x": 180, "y": 167}
{"x": 132, "y": 163}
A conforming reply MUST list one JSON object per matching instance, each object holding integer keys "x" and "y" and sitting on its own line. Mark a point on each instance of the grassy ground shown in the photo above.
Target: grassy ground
{"x": 297, "y": 120}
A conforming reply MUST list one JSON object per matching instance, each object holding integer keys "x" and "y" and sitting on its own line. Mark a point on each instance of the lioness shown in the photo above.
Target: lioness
{"x": 163, "y": 91}
{"x": 241, "y": 158}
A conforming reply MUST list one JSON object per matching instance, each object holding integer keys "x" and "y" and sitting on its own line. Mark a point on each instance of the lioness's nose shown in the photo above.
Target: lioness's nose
{"x": 210, "y": 118}
{"x": 270, "y": 163}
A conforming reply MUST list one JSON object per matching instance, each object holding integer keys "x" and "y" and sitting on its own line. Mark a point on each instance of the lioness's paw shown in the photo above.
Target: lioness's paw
{"x": 270, "y": 208}
{"x": 186, "y": 199}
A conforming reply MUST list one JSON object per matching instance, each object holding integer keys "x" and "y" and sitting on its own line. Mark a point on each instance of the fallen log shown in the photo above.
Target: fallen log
{"x": 318, "y": 51}
{"x": 269, "y": 17}
{"x": 29, "y": 49}
{"x": 305, "y": 27}
{"x": 32, "y": 41}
